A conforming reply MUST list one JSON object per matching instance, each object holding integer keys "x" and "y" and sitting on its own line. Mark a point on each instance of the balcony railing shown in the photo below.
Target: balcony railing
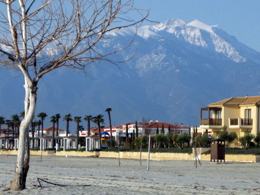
{"x": 246, "y": 121}
{"x": 210, "y": 121}
{"x": 241, "y": 122}
{"x": 234, "y": 121}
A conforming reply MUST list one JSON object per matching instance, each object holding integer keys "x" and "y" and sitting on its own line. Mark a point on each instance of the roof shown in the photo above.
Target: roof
{"x": 165, "y": 125}
{"x": 255, "y": 100}
{"x": 95, "y": 130}
{"x": 50, "y": 129}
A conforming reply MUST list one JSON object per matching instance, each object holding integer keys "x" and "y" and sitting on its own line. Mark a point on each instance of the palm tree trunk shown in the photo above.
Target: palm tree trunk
{"x": 126, "y": 135}
{"x": 77, "y": 141}
{"x": 33, "y": 129}
{"x": 67, "y": 128}
{"x": 99, "y": 135}
{"x": 57, "y": 132}
{"x": 88, "y": 127}
{"x": 42, "y": 127}
{"x": 111, "y": 137}
{"x": 53, "y": 132}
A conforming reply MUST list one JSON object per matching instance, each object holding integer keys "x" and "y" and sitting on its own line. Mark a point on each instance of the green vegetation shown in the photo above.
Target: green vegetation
{"x": 141, "y": 141}
{"x": 257, "y": 139}
{"x": 246, "y": 140}
{"x": 251, "y": 150}
{"x": 228, "y": 137}
{"x": 153, "y": 150}
{"x": 180, "y": 140}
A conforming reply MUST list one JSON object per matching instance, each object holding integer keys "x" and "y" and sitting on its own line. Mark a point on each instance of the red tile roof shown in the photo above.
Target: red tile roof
{"x": 50, "y": 129}
{"x": 95, "y": 130}
{"x": 166, "y": 126}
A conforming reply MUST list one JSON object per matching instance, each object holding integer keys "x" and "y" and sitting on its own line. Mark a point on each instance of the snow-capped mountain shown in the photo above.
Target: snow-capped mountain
{"x": 177, "y": 68}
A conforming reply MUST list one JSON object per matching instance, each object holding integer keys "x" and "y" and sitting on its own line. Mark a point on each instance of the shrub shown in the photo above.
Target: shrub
{"x": 141, "y": 140}
{"x": 228, "y": 137}
{"x": 246, "y": 140}
{"x": 181, "y": 139}
{"x": 159, "y": 139}
{"x": 203, "y": 140}
{"x": 257, "y": 139}
{"x": 109, "y": 144}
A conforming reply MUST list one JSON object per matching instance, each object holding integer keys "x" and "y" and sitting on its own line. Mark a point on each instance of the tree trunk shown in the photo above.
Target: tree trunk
{"x": 99, "y": 135}
{"x": 136, "y": 127}
{"x": 88, "y": 127}
{"x": 57, "y": 132}
{"x": 42, "y": 127}
{"x": 33, "y": 129}
{"x": 110, "y": 126}
{"x": 53, "y": 133}
{"x": 23, "y": 156}
{"x": 127, "y": 136}
{"x": 77, "y": 141}
{"x": 67, "y": 128}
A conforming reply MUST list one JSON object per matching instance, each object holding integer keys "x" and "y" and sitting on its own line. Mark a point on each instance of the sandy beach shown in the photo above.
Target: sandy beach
{"x": 88, "y": 175}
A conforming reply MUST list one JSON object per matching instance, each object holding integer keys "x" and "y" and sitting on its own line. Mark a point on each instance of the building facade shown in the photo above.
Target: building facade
{"x": 236, "y": 114}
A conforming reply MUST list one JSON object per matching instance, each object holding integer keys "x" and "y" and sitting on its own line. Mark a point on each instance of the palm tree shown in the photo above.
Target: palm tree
{"x": 67, "y": 118}
{"x": 126, "y": 134}
{"x": 81, "y": 128}
{"x": 33, "y": 124}
{"x": 77, "y": 119}
{"x": 22, "y": 114}
{"x": 2, "y": 121}
{"x": 88, "y": 118}
{"x": 136, "y": 128}
{"x": 108, "y": 110}
{"x": 53, "y": 121}
{"x": 42, "y": 115}
{"x": 99, "y": 120}
{"x": 16, "y": 121}
{"x": 9, "y": 124}
{"x": 39, "y": 122}
{"x": 57, "y": 121}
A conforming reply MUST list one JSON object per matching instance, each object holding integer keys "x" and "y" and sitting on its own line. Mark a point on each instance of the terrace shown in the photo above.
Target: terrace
{"x": 213, "y": 117}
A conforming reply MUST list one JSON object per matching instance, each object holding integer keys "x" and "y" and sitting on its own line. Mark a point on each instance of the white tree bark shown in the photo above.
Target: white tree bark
{"x": 23, "y": 156}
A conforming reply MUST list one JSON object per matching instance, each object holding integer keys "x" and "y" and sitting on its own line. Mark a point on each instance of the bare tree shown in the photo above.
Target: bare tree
{"x": 37, "y": 37}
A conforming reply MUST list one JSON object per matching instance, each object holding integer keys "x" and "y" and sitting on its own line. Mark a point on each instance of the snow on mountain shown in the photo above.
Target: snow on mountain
{"x": 201, "y": 37}
{"x": 200, "y": 25}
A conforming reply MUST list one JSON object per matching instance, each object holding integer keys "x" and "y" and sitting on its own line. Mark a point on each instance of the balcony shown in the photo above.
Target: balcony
{"x": 211, "y": 122}
{"x": 240, "y": 123}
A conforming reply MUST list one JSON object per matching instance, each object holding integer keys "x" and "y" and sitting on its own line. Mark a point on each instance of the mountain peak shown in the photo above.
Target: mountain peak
{"x": 174, "y": 22}
{"x": 200, "y": 25}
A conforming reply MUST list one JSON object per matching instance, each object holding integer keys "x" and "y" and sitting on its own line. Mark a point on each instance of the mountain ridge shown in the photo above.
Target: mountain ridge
{"x": 177, "y": 68}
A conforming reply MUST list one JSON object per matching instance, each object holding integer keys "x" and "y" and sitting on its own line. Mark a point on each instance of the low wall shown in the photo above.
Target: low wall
{"x": 8, "y": 152}
{"x": 136, "y": 155}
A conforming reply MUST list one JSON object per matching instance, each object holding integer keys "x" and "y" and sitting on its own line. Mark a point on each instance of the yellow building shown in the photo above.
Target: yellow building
{"x": 240, "y": 115}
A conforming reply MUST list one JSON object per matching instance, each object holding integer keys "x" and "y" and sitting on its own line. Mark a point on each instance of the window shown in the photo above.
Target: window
{"x": 247, "y": 113}
{"x": 248, "y": 120}
{"x": 218, "y": 114}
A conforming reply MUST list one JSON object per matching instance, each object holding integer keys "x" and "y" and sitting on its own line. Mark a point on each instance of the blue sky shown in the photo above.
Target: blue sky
{"x": 240, "y": 18}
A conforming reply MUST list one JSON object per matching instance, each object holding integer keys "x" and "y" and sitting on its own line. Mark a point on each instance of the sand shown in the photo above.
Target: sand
{"x": 105, "y": 176}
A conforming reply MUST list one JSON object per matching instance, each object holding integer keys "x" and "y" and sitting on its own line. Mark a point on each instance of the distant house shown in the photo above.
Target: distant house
{"x": 237, "y": 114}
{"x": 147, "y": 128}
